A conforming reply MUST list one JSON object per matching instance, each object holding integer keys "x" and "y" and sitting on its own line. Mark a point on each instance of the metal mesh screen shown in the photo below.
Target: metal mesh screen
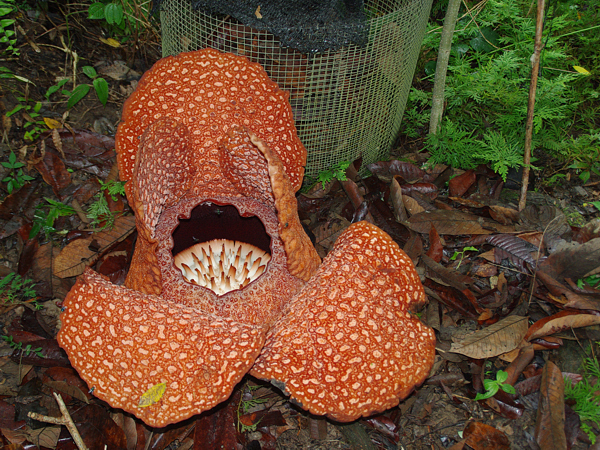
{"x": 347, "y": 103}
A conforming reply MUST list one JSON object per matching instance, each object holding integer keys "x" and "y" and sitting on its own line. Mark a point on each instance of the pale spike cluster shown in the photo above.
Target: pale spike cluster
{"x": 222, "y": 265}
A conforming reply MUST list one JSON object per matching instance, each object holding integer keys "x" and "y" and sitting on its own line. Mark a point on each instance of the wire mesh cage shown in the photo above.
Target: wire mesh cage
{"x": 347, "y": 103}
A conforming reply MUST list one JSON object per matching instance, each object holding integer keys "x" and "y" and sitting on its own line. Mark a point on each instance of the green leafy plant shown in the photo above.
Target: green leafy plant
{"x": 99, "y": 211}
{"x": 111, "y": 12}
{"x": 499, "y": 153}
{"x": 121, "y": 17}
{"x": 586, "y": 395}
{"x": 488, "y": 81}
{"x": 7, "y": 35}
{"x": 335, "y": 173}
{"x": 55, "y": 88}
{"x": 452, "y": 145}
{"x": 588, "y": 164}
{"x": 80, "y": 91}
{"x": 15, "y": 289}
{"x": 99, "y": 83}
{"x": 417, "y": 112}
{"x": 19, "y": 347}
{"x": 493, "y": 386}
{"x": 555, "y": 178}
{"x": 46, "y": 214}
{"x": 461, "y": 254}
{"x": 16, "y": 179}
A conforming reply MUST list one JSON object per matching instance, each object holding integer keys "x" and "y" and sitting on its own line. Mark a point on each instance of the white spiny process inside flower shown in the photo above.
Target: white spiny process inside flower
{"x": 222, "y": 265}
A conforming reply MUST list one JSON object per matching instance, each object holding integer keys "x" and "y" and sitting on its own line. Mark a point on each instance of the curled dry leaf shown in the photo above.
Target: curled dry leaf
{"x": 560, "y": 321}
{"x": 54, "y": 172}
{"x": 532, "y": 384}
{"x": 502, "y": 214}
{"x": 408, "y": 171}
{"x": 68, "y": 389}
{"x": 447, "y": 276}
{"x": 217, "y": 429}
{"x": 550, "y": 424}
{"x": 505, "y": 405}
{"x": 76, "y": 256}
{"x": 397, "y": 202}
{"x": 451, "y": 297}
{"x": 44, "y": 437}
{"x": 429, "y": 190}
{"x": 501, "y": 337}
{"x": 573, "y": 299}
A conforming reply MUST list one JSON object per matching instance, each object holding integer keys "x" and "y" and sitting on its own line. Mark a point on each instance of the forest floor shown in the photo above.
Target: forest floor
{"x": 515, "y": 277}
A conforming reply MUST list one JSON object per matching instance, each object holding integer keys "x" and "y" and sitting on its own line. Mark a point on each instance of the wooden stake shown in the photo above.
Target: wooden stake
{"x": 539, "y": 26}
{"x": 439, "y": 84}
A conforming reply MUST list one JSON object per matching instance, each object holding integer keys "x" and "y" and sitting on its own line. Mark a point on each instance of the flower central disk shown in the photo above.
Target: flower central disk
{"x": 222, "y": 265}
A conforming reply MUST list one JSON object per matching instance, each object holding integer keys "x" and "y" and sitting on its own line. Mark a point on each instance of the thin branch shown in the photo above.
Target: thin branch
{"x": 539, "y": 26}
{"x": 65, "y": 420}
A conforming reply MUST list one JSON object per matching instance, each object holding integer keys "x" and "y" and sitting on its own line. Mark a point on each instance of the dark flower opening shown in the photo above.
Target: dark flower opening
{"x": 220, "y": 249}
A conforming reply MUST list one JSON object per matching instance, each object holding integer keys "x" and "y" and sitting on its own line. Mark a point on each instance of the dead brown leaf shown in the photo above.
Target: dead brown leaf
{"x": 388, "y": 169}
{"x": 501, "y": 337}
{"x": 397, "y": 201}
{"x": 77, "y": 255}
{"x": 550, "y": 425}
{"x": 411, "y": 205}
{"x": 54, "y": 172}
{"x": 453, "y": 223}
{"x": 460, "y": 184}
{"x": 480, "y": 436}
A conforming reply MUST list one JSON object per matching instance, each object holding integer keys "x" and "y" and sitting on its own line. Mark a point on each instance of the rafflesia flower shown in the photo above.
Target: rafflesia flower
{"x": 224, "y": 281}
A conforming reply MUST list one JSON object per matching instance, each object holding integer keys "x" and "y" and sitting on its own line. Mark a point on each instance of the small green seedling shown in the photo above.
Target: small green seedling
{"x": 99, "y": 83}
{"x": 34, "y": 124}
{"x": 493, "y": 386}
{"x": 19, "y": 347}
{"x": 111, "y": 12}
{"x": 46, "y": 214}
{"x": 81, "y": 90}
{"x": 462, "y": 254}
{"x": 592, "y": 281}
{"x": 588, "y": 166}
{"x": 14, "y": 289}
{"x": 16, "y": 179}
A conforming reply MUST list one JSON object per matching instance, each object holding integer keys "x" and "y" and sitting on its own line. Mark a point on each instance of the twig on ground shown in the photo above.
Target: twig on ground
{"x": 65, "y": 420}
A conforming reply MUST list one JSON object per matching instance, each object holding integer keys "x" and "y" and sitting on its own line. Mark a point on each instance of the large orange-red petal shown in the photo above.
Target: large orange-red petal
{"x": 123, "y": 342}
{"x": 348, "y": 346}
